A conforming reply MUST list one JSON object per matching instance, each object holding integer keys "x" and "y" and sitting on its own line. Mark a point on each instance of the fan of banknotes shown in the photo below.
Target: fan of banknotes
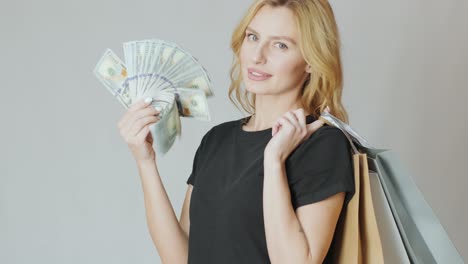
{"x": 177, "y": 82}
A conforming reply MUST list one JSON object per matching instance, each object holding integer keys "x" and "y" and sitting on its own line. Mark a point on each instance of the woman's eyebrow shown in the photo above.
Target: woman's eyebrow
{"x": 275, "y": 37}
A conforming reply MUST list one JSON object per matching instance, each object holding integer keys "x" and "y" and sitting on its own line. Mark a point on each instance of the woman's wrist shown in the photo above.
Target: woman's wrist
{"x": 143, "y": 163}
{"x": 273, "y": 157}
{"x": 272, "y": 162}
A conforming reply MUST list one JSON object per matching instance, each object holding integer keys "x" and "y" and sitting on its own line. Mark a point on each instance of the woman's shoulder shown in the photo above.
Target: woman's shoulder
{"x": 223, "y": 129}
{"x": 226, "y": 126}
{"x": 325, "y": 139}
{"x": 327, "y": 132}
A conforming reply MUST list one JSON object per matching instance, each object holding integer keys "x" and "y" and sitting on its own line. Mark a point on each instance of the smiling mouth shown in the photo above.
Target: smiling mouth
{"x": 256, "y": 76}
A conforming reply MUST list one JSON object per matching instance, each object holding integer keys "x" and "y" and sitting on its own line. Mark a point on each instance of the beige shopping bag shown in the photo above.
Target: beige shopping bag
{"x": 358, "y": 239}
{"x": 409, "y": 230}
{"x": 358, "y": 235}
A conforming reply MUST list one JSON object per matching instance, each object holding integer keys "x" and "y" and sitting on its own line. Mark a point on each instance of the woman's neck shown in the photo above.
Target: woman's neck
{"x": 264, "y": 117}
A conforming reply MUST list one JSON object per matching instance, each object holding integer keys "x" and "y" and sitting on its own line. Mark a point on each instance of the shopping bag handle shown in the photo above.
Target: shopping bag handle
{"x": 353, "y": 137}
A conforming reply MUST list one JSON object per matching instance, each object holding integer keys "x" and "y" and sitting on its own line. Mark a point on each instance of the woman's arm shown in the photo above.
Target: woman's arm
{"x": 303, "y": 236}
{"x": 285, "y": 241}
{"x": 167, "y": 234}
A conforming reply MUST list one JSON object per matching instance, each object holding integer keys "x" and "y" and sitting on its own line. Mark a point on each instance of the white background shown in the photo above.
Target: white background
{"x": 69, "y": 188}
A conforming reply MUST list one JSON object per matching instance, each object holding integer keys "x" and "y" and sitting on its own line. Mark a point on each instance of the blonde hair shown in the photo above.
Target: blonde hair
{"x": 320, "y": 46}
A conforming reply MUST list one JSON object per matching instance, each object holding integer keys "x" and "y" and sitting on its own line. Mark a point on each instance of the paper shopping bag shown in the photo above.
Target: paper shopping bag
{"x": 421, "y": 233}
{"x": 425, "y": 239}
{"x": 358, "y": 239}
{"x": 392, "y": 244}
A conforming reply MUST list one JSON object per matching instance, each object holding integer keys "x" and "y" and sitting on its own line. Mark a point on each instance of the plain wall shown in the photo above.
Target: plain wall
{"x": 69, "y": 188}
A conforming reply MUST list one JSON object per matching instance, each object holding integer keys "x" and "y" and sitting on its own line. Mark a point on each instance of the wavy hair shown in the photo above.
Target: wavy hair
{"x": 320, "y": 47}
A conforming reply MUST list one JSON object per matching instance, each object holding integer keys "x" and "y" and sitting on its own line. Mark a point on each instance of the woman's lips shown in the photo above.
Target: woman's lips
{"x": 257, "y": 77}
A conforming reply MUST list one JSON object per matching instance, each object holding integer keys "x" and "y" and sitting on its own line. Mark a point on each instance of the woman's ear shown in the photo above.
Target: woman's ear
{"x": 308, "y": 69}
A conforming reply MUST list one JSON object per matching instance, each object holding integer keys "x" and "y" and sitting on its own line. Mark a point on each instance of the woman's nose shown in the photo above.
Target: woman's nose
{"x": 258, "y": 56}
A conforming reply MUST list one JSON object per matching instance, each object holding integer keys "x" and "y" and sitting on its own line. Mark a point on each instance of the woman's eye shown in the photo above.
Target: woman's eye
{"x": 250, "y": 35}
{"x": 253, "y": 37}
{"x": 282, "y": 45}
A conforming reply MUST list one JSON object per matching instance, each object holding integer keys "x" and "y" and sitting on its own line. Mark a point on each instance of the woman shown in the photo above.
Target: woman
{"x": 271, "y": 187}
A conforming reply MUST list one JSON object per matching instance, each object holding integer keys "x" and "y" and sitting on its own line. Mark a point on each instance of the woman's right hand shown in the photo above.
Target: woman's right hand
{"x": 134, "y": 129}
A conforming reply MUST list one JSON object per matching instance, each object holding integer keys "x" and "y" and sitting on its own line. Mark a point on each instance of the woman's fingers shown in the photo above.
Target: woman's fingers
{"x": 295, "y": 122}
{"x": 139, "y": 124}
{"x": 140, "y": 138}
{"x": 284, "y": 122}
{"x": 296, "y": 119}
{"x": 300, "y": 114}
{"x": 132, "y": 117}
{"x": 312, "y": 127}
{"x": 275, "y": 128}
{"x": 132, "y": 108}
{"x": 142, "y": 103}
{"x": 134, "y": 124}
{"x": 142, "y": 113}
{"x": 147, "y": 111}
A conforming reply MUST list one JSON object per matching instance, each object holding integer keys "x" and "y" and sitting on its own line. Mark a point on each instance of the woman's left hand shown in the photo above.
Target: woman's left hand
{"x": 288, "y": 132}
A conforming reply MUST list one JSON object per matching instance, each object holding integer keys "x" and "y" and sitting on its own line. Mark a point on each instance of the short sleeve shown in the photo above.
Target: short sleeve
{"x": 321, "y": 167}
{"x": 193, "y": 175}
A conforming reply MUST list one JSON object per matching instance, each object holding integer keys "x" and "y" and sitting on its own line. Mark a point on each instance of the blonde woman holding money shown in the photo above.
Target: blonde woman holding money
{"x": 270, "y": 187}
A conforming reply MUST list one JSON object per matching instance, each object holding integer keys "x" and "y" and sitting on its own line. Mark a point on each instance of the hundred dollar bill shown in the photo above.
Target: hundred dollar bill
{"x": 165, "y": 131}
{"x": 193, "y": 103}
{"x": 182, "y": 69}
{"x": 112, "y": 73}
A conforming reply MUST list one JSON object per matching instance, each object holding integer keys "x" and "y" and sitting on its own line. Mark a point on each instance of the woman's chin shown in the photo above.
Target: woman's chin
{"x": 257, "y": 89}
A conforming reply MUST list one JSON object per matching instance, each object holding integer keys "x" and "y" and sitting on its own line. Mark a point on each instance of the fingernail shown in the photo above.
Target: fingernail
{"x": 148, "y": 100}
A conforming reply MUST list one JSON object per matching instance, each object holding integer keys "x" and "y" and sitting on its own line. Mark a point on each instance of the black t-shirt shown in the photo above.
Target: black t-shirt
{"x": 226, "y": 208}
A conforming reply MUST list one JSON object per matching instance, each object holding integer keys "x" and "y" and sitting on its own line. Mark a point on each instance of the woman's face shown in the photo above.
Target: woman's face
{"x": 271, "y": 47}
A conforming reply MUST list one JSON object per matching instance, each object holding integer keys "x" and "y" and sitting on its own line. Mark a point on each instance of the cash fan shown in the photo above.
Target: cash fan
{"x": 155, "y": 68}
